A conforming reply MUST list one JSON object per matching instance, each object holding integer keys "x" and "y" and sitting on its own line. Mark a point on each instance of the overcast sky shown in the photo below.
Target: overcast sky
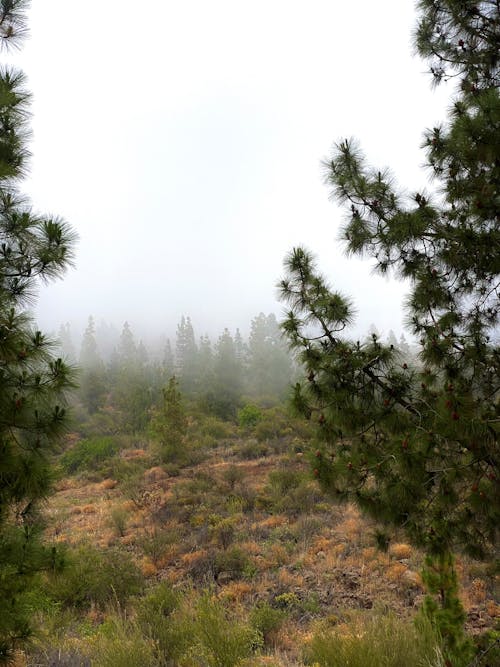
{"x": 183, "y": 141}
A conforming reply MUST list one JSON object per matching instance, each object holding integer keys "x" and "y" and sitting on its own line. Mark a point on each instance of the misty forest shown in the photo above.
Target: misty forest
{"x": 288, "y": 493}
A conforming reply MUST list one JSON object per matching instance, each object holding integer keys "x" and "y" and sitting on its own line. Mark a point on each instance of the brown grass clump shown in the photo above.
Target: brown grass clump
{"x": 320, "y": 544}
{"x": 287, "y": 580}
{"x": 274, "y": 521}
{"x": 89, "y": 509}
{"x": 277, "y": 555}
{"x": 251, "y": 547}
{"x": 352, "y": 528}
{"x": 193, "y": 557}
{"x": 108, "y": 484}
{"x": 493, "y": 609}
{"x": 400, "y": 551}
{"x": 134, "y": 454}
{"x": 395, "y": 572}
{"x": 148, "y": 568}
{"x": 236, "y": 591}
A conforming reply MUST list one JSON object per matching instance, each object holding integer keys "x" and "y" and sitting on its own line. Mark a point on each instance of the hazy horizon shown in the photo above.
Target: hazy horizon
{"x": 184, "y": 145}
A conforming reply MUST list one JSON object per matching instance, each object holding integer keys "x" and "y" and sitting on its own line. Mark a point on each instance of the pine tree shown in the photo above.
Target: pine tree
{"x": 269, "y": 363}
{"x": 186, "y": 354}
{"x": 168, "y": 360}
{"x": 136, "y": 382}
{"x": 417, "y": 447}
{"x": 92, "y": 373}
{"x": 89, "y": 352}
{"x": 224, "y": 397}
{"x": 33, "y": 383}
{"x": 169, "y": 425}
{"x": 66, "y": 343}
{"x": 205, "y": 365}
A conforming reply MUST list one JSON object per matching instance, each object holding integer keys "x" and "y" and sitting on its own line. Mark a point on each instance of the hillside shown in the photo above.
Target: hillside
{"x": 236, "y": 531}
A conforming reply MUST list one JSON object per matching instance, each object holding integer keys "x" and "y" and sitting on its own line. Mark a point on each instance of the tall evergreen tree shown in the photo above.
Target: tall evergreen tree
{"x": 227, "y": 384}
{"x": 89, "y": 352}
{"x": 33, "y": 383}
{"x": 92, "y": 375}
{"x": 168, "y": 360}
{"x": 417, "y": 448}
{"x": 205, "y": 365}
{"x": 127, "y": 349}
{"x": 269, "y": 363}
{"x": 186, "y": 355}
{"x": 66, "y": 343}
{"x": 136, "y": 382}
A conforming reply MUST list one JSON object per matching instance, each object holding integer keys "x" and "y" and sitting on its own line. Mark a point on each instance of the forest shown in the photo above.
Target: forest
{"x": 292, "y": 497}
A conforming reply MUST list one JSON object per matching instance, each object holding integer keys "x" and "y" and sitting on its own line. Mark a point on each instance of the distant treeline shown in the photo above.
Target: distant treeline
{"x": 123, "y": 378}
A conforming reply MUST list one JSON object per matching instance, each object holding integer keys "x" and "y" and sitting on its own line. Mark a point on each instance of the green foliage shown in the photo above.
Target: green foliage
{"x": 269, "y": 365}
{"x": 249, "y": 416}
{"x": 216, "y": 428}
{"x": 267, "y": 621}
{"x": 233, "y": 475}
{"x": 223, "y": 398}
{"x": 287, "y": 601}
{"x": 443, "y": 606}
{"x": 33, "y": 383}
{"x": 233, "y": 561}
{"x": 160, "y": 618}
{"x": 487, "y": 647}
{"x": 169, "y": 425}
{"x": 119, "y": 519}
{"x": 416, "y": 448}
{"x": 90, "y": 454}
{"x": 253, "y": 449}
{"x": 380, "y": 641}
{"x": 119, "y": 642}
{"x": 223, "y": 640}
{"x": 156, "y": 541}
{"x": 93, "y": 577}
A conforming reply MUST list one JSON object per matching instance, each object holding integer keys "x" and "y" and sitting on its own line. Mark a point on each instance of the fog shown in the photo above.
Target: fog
{"x": 183, "y": 141}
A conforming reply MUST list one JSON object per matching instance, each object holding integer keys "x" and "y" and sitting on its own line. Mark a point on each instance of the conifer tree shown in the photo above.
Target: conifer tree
{"x": 92, "y": 374}
{"x": 269, "y": 363}
{"x": 227, "y": 383}
{"x": 186, "y": 354}
{"x": 417, "y": 447}
{"x": 33, "y": 383}
{"x": 136, "y": 383}
{"x": 168, "y": 360}
{"x": 66, "y": 343}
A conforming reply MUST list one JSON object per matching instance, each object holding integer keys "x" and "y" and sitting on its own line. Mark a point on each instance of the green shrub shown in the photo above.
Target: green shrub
{"x": 287, "y": 601}
{"x": 216, "y": 428}
{"x": 160, "y": 617}
{"x": 252, "y": 449}
{"x": 155, "y": 542}
{"x": 282, "y": 481}
{"x": 222, "y": 530}
{"x": 120, "y": 642}
{"x": 273, "y": 424}
{"x": 267, "y": 620}
{"x": 233, "y": 561}
{"x": 223, "y": 641}
{"x": 249, "y": 416}
{"x": 119, "y": 519}
{"x": 94, "y": 577}
{"x": 379, "y": 641}
{"x": 233, "y": 475}
{"x": 90, "y": 454}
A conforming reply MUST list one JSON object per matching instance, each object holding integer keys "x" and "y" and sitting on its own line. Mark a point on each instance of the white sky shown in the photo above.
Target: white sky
{"x": 183, "y": 141}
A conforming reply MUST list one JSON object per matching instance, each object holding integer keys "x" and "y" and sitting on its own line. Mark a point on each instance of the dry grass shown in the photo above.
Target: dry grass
{"x": 400, "y": 551}
{"x": 338, "y": 541}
